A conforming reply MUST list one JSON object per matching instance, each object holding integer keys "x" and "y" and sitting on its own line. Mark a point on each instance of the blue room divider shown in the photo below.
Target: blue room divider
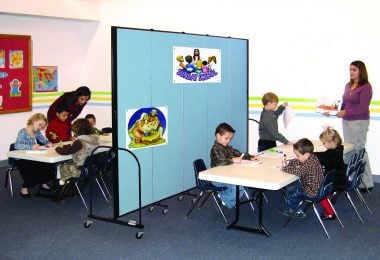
{"x": 143, "y": 71}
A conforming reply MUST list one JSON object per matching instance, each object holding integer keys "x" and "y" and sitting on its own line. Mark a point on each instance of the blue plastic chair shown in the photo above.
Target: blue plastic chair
{"x": 324, "y": 191}
{"x": 205, "y": 187}
{"x": 355, "y": 176}
{"x": 95, "y": 166}
{"x": 11, "y": 169}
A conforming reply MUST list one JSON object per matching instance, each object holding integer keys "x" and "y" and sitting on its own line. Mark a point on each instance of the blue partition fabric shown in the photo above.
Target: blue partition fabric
{"x": 142, "y": 78}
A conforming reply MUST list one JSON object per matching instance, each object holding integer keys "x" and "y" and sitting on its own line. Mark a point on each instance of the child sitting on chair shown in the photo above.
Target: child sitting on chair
{"x": 58, "y": 129}
{"x": 223, "y": 154}
{"x": 331, "y": 159}
{"x": 309, "y": 169}
{"x": 92, "y": 119}
{"x": 83, "y": 145}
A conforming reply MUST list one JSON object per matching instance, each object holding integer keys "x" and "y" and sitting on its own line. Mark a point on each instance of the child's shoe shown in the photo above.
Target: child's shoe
{"x": 300, "y": 214}
{"x": 285, "y": 212}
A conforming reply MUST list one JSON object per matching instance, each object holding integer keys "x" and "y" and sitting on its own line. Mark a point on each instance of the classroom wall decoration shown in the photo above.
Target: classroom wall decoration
{"x": 143, "y": 66}
{"x": 15, "y": 73}
{"x": 196, "y": 65}
{"x": 147, "y": 127}
{"x": 45, "y": 78}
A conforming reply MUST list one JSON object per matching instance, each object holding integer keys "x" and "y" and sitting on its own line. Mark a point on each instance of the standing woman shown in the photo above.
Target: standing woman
{"x": 33, "y": 172}
{"x": 74, "y": 101}
{"x": 355, "y": 113}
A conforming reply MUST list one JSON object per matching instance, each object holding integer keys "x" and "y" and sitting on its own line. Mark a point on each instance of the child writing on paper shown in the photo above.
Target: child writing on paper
{"x": 309, "y": 170}
{"x": 58, "y": 130}
{"x": 224, "y": 154}
{"x": 84, "y": 143}
{"x": 33, "y": 172}
{"x": 332, "y": 158}
{"x": 268, "y": 126}
{"x": 91, "y": 118}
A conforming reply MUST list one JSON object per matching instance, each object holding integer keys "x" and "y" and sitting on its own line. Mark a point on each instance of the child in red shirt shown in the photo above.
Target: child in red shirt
{"x": 58, "y": 129}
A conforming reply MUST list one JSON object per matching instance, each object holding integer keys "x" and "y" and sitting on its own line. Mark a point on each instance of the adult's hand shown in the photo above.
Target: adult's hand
{"x": 341, "y": 113}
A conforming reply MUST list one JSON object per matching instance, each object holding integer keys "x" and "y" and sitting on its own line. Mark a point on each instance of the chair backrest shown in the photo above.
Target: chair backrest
{"x": 97, "y": 162}
{"x": 356, "y": 176}
{"x": 199, "y": 165}
{"x": 12, "y": 161}
{"x": 327, "y": 184}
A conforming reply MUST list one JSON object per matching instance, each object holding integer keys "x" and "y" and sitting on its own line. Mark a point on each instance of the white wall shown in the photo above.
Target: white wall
{"x": 297, "y": 48}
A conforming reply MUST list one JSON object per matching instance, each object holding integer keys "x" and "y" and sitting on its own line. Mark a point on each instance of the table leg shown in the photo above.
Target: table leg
{"x": 262, "y": 230}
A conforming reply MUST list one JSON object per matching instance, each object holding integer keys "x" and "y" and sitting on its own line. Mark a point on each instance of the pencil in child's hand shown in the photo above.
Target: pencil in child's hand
{"x": 241, "y": 156}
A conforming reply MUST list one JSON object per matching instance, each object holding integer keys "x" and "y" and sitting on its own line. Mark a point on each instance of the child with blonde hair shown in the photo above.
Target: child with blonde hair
{"x": 331, "y": 159}
{"x": 33, "y": 172}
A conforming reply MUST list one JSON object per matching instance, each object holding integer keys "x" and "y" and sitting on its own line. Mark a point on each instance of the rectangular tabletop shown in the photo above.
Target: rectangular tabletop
{"x": 48, "y": 155}
{"x": 267, "y": 175}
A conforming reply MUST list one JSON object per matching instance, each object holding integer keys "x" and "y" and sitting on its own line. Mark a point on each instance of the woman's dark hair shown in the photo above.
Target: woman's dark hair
{"x": 71, "y": 97}
{"x": 81, "y": 126}
{"x": 363, "y": 75}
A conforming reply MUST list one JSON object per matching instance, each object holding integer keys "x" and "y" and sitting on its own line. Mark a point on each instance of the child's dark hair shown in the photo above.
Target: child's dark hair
{"x": 81, "y": 126}
{"x": 223, "y": 128}
{"x": 88, "y": 116}
{"x": 62, "y": 108}
{"x": 303, "y": 146}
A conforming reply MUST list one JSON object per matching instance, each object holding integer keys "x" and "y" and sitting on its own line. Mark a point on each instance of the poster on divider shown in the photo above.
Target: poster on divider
{"x": 146, "y": 127}
{"x": 196, "y": 65}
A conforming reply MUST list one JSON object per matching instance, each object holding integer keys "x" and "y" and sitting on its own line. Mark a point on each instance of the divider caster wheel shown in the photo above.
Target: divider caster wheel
{"x": 165, "y": 211}
{"x": 180, "y": 198}
{"x": 139, "y": 234}
{"x": 151, "y": 208}
{"x": 87, "y": 223}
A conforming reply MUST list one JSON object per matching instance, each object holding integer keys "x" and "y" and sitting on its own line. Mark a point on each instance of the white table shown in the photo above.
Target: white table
{"x": 49, "y": 155}
{"x": 264, "y": 176}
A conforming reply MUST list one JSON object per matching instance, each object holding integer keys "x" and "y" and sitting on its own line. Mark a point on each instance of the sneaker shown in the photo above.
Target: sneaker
{"x": 328, "y": 217}
{"x": 285, "y": 212}
{"x": 300, "y": 214}
{"x": 223, "y": 203}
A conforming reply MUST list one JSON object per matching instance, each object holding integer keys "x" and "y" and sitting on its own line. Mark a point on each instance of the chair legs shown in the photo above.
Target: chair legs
{"x": 320, "y": 220}
{"x": 353, "y": 205}
{"x": 316, "y": 214}
{"x": 207, "y": 195}
{"x": 249, "y": 199}
{"x": 80, "y": 194}
{"x": 8, "y": 181}
{"x": 335, "y": 212}
{"x": 363, "y": 200}
{"x": 220, "y": 209}
{"x": 101, "y": 189}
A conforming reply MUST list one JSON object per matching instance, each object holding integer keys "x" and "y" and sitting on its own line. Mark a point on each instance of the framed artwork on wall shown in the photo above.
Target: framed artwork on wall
{"x": 45, "y": 78}
{"x": 15, "y": 73}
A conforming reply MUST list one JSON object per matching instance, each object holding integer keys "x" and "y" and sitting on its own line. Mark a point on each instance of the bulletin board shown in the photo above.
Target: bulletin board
{"x": 15, "y": 73}
{"x": 152, "y": 75}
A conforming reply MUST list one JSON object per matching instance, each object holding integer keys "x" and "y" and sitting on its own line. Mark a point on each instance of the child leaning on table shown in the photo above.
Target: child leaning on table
{"x": 82, "y": 146}
{"x": 309, "y": 170}
{"x": 331, "y": 159}
{"x": 268, "y": 126}
{"x": 224, "y": 154}
{"x": 58, "y": 129}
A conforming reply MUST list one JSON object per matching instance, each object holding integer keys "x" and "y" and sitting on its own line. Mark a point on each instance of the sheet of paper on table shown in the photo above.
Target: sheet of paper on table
{"x": 248, "y": 163}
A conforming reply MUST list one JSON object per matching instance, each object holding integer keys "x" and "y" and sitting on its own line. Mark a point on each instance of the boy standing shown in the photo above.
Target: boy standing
{"x": 223, "y": 154}
{"x": 309, "y": 169}
{"x": 58, "y": 129}
{"x": 268, "y": 126}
